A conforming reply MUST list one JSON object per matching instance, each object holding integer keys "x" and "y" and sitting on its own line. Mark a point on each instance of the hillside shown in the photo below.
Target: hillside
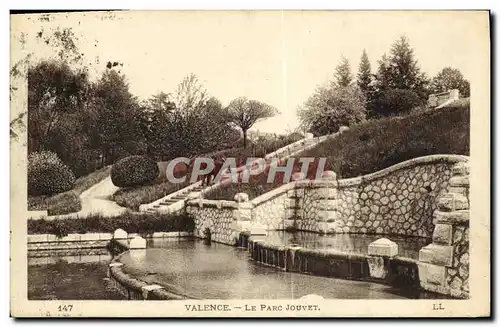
{"x": 378, "y": 144}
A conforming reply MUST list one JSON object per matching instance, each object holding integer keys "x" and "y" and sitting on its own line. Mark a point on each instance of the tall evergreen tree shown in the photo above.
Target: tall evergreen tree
{"x": 365, "y": 83}
{"x": 343, "y": 73}
{"x": 364, "y": 73}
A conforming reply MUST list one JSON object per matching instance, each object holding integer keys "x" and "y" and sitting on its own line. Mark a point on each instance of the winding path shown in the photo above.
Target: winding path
{"x": 96, "y": 200}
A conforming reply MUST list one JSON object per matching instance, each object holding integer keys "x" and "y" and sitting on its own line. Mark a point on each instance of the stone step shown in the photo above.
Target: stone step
{"x": 167, "y": 203}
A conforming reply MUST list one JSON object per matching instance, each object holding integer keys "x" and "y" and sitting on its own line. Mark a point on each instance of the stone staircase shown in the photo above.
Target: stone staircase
{"x": 175, "y": 201}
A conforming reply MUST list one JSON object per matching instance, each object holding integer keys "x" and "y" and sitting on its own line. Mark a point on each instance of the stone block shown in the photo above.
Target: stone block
{"x": 460, "y": 181}
{"x": 329, "y": 175}
{"x": 298, "y": 176}
{"x": 241, "y": 226}
{"x": 441, "y": 255}
{"x": 120, "y": 234}
{"x": 90, "y": 237}
{"x": 442, "y": 234}
{"x": 460, "y": 168}
{"x": 258, "y": 230}
{"x": 383, "y": 247}
{"x": 193, "y": 195}
{"x": 431, "y": 274}
{"x": 459, "y": 217}
{"x": 458, "y": 190}
{"x": 241, "y": 197}
{"x": 452, "y": 202}
{"x": 137, "y": 243}
{"x": 37, "y": 238}
{"x": 377, "y": 268}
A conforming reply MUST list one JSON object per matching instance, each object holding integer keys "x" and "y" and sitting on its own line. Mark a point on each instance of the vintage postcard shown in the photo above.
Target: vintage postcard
{"x": 250, "y": 164}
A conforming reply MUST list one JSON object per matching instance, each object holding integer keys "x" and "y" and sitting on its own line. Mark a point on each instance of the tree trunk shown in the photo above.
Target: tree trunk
{"x": 244, "y": 139}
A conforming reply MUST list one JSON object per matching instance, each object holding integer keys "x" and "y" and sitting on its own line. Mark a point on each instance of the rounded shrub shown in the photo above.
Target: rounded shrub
{"x": 134, "y": 171}
{"x": 48, "y": 175}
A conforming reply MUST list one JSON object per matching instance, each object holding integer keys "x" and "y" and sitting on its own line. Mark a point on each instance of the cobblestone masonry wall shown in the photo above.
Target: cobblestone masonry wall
{"x": 398, "y": 200}
{"x": 214, "y": 215}
{"x": 401, "y": 203}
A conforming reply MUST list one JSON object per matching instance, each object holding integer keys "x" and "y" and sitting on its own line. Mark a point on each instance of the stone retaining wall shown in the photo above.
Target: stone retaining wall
{"x": 398, "y": 200}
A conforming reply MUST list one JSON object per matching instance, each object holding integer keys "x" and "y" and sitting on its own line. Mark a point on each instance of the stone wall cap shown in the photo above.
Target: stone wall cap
{"x": 437, "y": 158}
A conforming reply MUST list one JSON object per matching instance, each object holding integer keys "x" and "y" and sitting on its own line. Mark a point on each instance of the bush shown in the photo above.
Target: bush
{"x": 64, "y": 203}
{"x": 134, "y": 171}
{"x": 47, "y": 174}
{"x": 130, "y": 222}
{"x": 330, "y": 107}
{"x": 397, "y": 101}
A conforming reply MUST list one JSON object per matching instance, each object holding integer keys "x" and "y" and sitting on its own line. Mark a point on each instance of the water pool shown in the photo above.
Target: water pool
{"x": 218, "y": 271}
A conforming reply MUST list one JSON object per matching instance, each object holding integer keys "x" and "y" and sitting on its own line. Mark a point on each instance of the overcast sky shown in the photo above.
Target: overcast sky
{"x": 275, "y": 57}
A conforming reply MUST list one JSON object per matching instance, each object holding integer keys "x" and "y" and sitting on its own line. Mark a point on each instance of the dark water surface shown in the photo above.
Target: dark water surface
{"x": 218, "y": 271}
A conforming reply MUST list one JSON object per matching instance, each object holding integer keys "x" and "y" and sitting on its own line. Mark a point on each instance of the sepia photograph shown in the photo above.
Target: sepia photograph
{"x": 250, "y": 163}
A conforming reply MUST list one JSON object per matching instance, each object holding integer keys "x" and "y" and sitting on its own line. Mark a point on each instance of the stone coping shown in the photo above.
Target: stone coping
{"x": 50, "y": 238}
{"x": 273, "y": 193}
{"x": 320, "y": 252}
{"x": 219, "y": 204}
{"x": 438, "y": 158}
{"x": 141, "y": 290}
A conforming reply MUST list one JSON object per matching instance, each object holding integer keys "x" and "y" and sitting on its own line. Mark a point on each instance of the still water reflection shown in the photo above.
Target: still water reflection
{"x": 218, "y": 271}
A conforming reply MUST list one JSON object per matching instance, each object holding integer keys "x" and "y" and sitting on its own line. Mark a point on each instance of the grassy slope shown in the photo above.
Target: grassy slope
{"x": 69, "y": 201}
{"x": 133, "y": 197}
{"x": 378, "y": 144}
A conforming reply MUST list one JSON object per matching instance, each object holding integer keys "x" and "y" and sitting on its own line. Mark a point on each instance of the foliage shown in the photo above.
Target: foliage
{"x": 365, "y": 83}
{"x": 330, "y": 107}
{"x": 397, "y": 101}
{"x": 47, "y": 174}
{"x": 130, "y": 222}
{"x": 68, "y": 202}
{"x": 244, "y": 113}
{"x": 343, "y": 74}
{"x": 55, "y": 93}
{"x": 134, "y": 171}
{"x": 64, "y": 203}
{"x": 400, "y": 70}
{"x": 377, "y": 144}
{"x": 133, "y": 197}
{"x": 449, "y": 79}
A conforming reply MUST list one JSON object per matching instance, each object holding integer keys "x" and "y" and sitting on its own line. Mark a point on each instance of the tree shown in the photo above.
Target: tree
{"x": 244, "y": 113}
{"x": 364, "y": 73}
{"x": 332, "y": 106}
{"x": 190, "y": 93}
{"x": 364, "y": 81}
{"x": 343, "y": 73}
{"x": 449, "y": 79}
{"x": 401, "y": 71}
{"x": 55, "y": 92}
{"x": 114, "y": 127}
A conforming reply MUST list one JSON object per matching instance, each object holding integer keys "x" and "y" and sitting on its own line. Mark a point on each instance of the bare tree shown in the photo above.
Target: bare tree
{"x": 190, "y": 94}
{"x": 244, "y": 113}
